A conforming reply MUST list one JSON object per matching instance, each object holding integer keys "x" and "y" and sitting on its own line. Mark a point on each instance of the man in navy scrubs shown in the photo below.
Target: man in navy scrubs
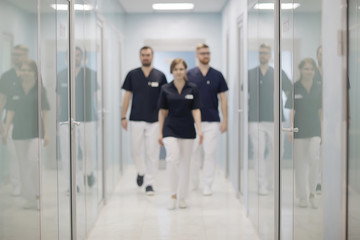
{"x": 86, "y": 114}
{"x": 261, "y": 116}
{"x": 143, "y": 86}
{"x": 211, "y": 84}
{"x": 10, "y": 81}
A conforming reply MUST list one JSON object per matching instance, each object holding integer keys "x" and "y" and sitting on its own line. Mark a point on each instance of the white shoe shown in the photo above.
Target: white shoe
{"x": 182, "y": 204}
{"x": 313, "y": 201}
{"x": 172, "y": 204}
{"x": 207, "y": 191}
{"x": 303, "y": 203}
{"x": 16, "y": 191}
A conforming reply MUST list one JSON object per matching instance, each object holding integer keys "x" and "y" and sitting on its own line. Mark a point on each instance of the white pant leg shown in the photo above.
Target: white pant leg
{"x": 186, "y": 149}
{"x": 172, "y": 148}
{"x": 137, "y": 139}
{"x": 65, "y": 151}
{"x": 258, "y": 139}
{"x": 80, "y": 165}
{"x": 196, "y": 161}
{"x": 314, "y": 163}
{"x": 13, "y": 161}
{"x": 89, "y": 149}
{"x": 152, "y": 150}
{"x": 268, "y": 168}
{"x": 27, "y": 150}
{"x": 301, "y": 146}
{"x": 211, "y": 134}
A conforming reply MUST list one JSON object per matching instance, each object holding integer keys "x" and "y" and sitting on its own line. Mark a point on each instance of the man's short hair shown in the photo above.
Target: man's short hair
{"x": 77, "y": 48}
{"x": 146, "y": 48}
{"x": 201, "y": 45}
{"x": 266, "y": 45}
{"x": 22, "y": 48}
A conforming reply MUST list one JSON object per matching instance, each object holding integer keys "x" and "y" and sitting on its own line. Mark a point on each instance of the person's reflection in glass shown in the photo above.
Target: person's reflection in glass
{"x": 9, "y": 81}
{"x": 86, "y": 86}
{"x": 306, "y": 115}
{"x": 23, "y": 112}
{"x": 261, "y": 116}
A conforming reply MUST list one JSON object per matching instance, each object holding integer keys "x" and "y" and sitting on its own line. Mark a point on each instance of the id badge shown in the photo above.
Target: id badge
{"x": 189, "y": 96}
{"x": 154, "y": 84}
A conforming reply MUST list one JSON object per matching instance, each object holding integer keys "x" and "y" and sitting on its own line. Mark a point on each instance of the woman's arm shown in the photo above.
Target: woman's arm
{"x": 46, "y": 127}
{"x": 197, "y": 117}
{"x": 163, "y": 113}
{"x": 9, "y": 118}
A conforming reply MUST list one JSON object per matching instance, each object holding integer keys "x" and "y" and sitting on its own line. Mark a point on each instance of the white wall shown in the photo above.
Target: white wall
{"x": 140, "y": 27}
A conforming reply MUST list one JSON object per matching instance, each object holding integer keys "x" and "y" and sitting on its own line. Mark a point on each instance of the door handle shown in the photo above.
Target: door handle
{"x": 290, "y": 130}
{"x": 74, "y": 123}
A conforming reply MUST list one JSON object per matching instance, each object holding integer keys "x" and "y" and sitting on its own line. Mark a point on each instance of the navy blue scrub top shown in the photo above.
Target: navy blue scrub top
{"x": 209, "y": 87}
{"x": 25, "y": 107}
{"x": 179, "y": 122}
{"x": 145, "y": 94}
{"x": 86, "y": 87}
{"x": 306, "y": 106}
{"x": 261, "y": 94}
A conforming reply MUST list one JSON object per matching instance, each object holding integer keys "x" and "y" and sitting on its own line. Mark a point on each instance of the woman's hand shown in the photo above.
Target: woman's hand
{"x": 201, "y": 138}
{"x": 160, "y": 140}
{"x": 124, "y": 123}
{"x": 4, "y": 136}
{"x": 46, "y": 140}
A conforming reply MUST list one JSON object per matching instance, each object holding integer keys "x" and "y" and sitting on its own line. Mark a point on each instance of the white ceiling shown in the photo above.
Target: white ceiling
{"x": 141, "y": 6}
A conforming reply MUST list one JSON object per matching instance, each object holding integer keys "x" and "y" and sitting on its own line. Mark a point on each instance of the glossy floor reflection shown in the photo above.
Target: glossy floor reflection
{"x": 130, "y": 214}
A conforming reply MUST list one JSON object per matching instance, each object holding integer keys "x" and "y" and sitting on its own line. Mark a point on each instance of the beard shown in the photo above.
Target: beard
{"x": 146, "y": 64}
{"x": 205, "y": 61}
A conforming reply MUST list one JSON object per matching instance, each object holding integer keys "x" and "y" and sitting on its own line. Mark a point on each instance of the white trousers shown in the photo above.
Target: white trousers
{"x": 178, "y": 158}
{"x": 14, "y": 171}
{"x": 205, "y": 154}
{"x": 28, "y": 155}
{"x": 262, "y": 138}
{"x": 144, "y": 138}
{"x": 85, "y": 140}
{"x": 306, "y": 162}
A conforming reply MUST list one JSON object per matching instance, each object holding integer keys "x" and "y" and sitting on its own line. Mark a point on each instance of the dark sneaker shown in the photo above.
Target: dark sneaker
{"x": 318, "y": 189}
{"x": 140, "y": 180}
{"x": 149, "y": 190}
{"x": 91, "y": 180}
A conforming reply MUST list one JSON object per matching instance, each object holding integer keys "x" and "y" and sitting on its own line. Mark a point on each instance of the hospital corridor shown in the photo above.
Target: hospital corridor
{"x": 179, "y": 119}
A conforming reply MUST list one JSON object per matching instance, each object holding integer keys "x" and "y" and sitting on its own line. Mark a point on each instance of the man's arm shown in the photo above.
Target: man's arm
{"x": 2, "y": 105}
{"x": 223, "y": 103}
{"x": 125, "y": 107}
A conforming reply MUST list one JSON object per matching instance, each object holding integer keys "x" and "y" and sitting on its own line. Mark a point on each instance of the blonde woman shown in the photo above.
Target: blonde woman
{"x": 179, "y": 106}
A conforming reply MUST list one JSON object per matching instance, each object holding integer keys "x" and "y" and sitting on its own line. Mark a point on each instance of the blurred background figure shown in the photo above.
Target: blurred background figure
{"x": 22, "y": 107}
{"x": 10, "y": 81}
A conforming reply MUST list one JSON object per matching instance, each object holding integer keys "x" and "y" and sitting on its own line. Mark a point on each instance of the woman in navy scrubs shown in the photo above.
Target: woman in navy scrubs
{"x": 179, "y": 105}
{"x": 23, "y": 110}
{"x": 306, "y": 113}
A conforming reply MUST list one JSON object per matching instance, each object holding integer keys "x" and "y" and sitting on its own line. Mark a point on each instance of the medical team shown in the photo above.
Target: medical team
{"x": 167, "y": 114}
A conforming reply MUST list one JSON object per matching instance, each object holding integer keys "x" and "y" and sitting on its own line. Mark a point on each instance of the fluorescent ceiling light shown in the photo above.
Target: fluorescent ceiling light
{"x": 172, "y": 6}
{"x": 270, "y": 6}
{"x": 64, "y": 7}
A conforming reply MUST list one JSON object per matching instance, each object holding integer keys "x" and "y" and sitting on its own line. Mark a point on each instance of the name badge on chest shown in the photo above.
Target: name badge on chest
{"x": 189, "y": 96}
{"x": 154, "y": 84}
{"x": 15, "y": 97}
{"x": 298, "y": 96}
{"x": 64, "y": 85}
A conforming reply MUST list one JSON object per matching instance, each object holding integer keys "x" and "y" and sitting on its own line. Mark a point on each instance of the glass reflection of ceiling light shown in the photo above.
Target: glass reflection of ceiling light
{"x": 270, "y": 6}
{"x": 173, "y": 6}
{"x": 64, "y": 7}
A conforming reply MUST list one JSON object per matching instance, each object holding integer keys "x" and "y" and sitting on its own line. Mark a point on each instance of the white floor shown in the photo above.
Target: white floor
{"x": 130, "y": 214}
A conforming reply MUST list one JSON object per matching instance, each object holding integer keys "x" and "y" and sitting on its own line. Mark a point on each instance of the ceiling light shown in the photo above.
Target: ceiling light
{"x": 270, "y": 6}
{"x": 172, "y": 6}
{"x": 64, "y": 7}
